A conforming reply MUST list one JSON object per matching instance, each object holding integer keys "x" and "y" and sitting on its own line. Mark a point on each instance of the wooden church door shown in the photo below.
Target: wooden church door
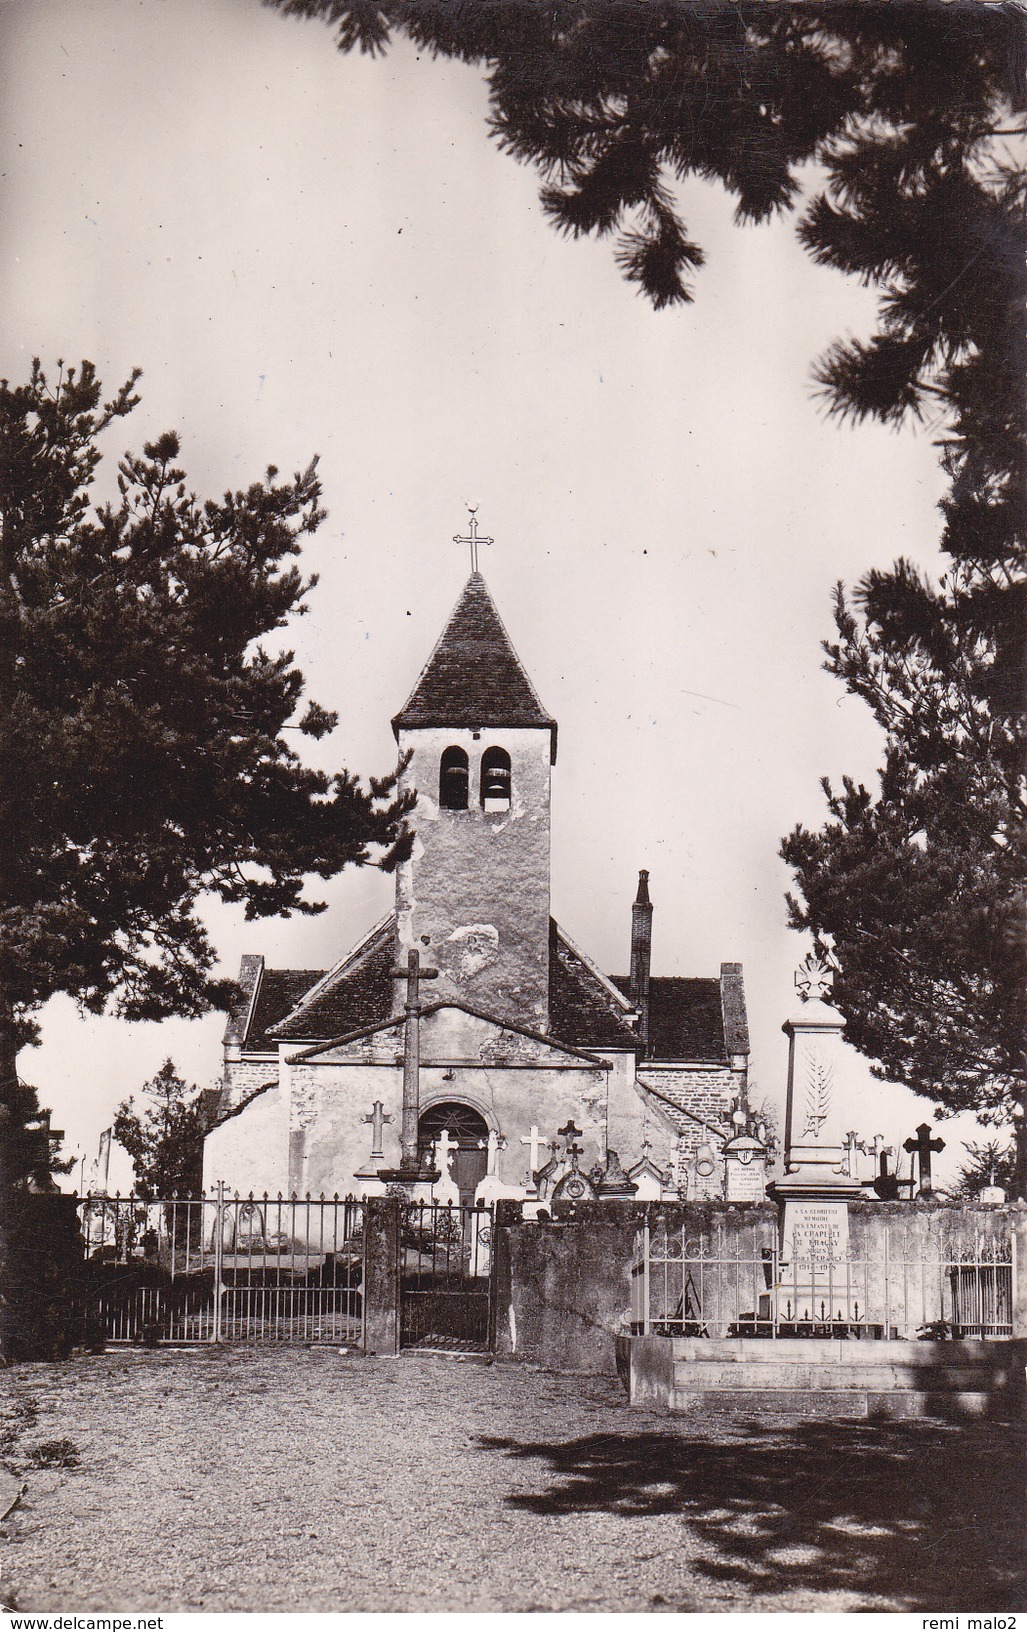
{"x": 470, "y": 1131}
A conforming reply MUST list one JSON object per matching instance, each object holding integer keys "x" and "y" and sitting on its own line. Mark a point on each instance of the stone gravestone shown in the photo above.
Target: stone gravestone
{"x": 492, "y": 1187}
{"x": 445, "y": 1189}
{"x": 536, "y": 1144}
{"x": 574, "y": 1185}
{"x": 745, "y": 1169}
{"x": 704, "y": 1171}
{"x": 547, "y": 1178}
{"x": 370, "y": 1174}
{"x": 611, "y": 1180}
{"x": 248, "y": 1228}
{"x": 645, "y": 1175}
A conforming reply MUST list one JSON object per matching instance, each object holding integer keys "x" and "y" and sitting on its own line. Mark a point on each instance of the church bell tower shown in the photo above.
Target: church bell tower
{"x": 474, "y": 895}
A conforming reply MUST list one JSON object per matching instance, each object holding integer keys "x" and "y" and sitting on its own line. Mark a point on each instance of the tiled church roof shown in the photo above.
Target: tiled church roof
{"x": 581, "y": 1010}
{"x": 358, "y": 994}
{"x": 474, "y": 677}
{"x": 297, "y": 1005}
{"x": 280, "y": 990}
{"x": 686, "y": 1019}
{"x": 264, "y": 996}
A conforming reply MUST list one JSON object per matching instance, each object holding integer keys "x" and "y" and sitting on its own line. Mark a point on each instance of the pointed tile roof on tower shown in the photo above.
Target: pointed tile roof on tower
{"x": 474, "y": 677}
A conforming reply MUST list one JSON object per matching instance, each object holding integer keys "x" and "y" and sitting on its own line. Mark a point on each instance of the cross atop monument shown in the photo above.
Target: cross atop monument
{"x": 813, "y": 978}
{"x": 493, "y": 1144}
{"x": 444, "y": 1147}
{"x": 473, "y": 540}
{"x": 534, "y": 1141}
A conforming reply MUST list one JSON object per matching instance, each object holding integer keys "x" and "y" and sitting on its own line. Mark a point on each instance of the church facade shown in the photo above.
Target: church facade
{"x": 525, "y": 1065}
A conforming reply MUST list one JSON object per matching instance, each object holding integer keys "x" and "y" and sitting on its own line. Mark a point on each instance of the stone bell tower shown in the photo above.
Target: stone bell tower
{"x": 474, "y": 896}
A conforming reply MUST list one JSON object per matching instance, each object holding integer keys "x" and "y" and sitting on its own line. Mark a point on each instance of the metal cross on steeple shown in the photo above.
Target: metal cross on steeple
{"x": 473, "y": 540}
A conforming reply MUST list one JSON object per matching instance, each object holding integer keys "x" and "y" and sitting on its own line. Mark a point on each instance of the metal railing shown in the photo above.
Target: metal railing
{"x": 737, "y": 1284}
{"x": 220, "y": 1268}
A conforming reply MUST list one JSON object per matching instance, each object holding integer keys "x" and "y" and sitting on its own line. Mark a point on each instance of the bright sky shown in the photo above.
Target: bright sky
{"x": 309, "y": 252}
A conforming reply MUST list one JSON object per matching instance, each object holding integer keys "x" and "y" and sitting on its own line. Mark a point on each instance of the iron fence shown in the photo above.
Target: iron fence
{"x": 220, "y": 1268}
{"x": 738, "y": 1284}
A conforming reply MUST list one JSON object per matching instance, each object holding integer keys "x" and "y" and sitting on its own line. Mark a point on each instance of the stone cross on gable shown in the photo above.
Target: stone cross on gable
{"x": 444, "y": 1148}
{"x": 922, "y": 1146}
{"x": 473, "y": 540}
{"x": 535, "y": 1142}
{"x": 377, "y": 1120}
{"x": 493, "y": 1144}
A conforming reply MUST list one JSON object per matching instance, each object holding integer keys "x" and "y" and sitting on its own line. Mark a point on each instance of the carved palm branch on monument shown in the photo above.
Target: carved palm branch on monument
{"x": 818, "y": 1094}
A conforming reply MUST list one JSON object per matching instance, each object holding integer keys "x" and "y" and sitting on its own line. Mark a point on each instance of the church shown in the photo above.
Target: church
{"x": 466, "y": 1040}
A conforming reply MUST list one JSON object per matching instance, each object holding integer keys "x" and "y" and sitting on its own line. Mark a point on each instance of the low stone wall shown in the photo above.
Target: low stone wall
{"x": 563, "y": 1286}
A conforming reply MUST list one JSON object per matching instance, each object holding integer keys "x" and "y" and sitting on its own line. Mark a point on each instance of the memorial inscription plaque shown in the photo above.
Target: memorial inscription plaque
{"x": 815, "y": 1233}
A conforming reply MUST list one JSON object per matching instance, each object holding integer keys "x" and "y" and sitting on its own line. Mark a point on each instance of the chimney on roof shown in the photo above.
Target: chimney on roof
{"x": 641, "y": 957}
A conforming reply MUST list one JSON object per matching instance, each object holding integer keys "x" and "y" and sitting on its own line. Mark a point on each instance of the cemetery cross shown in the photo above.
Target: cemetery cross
{"x": 534, "y": 1141}
{"x": 413, "y": 974}
{"x": 923, "y": 1145}
{"x": 377, "y": 1120}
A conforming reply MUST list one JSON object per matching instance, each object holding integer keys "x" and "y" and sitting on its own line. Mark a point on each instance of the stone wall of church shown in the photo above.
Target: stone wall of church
{"x": 330, "y": 1142}
{"x": 242, "y": 1078}
{"x": 707, "y": 1092}
{"x": 625, "y": 1118}
{"x": 250, "y": 1151}
{"x": 474, "y": 897}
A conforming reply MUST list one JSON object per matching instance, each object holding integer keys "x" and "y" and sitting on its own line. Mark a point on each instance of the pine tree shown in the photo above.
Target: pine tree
{"x": 164, "y": 1136}
{"x": 909, "y": 112}
{"x": 917, "y": 888}
{"x": 142, "y": 755}
{"x": 987, "y": 1164}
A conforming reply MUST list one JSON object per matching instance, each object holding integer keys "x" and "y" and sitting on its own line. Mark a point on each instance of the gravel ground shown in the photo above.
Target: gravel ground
{"x": 311, "y": 1480}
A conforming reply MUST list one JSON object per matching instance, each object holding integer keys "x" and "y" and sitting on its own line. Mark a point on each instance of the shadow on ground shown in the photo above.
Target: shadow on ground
{"x": 910, "y": 1515}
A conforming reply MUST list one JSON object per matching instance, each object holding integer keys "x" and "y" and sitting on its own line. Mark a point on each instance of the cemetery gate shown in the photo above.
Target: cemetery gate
{"x": 212, "y": 1269}
{"x": 445, "y": 1277}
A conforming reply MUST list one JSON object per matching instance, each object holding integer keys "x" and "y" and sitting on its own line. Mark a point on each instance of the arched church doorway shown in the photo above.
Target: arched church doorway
{"x": 469, "y": 1132}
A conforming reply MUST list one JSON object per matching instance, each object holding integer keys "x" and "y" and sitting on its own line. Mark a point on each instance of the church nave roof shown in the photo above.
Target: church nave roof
{"x": 686, "y": 1018}
{"x": 357, "y": 993}
{"x": 690, "y": 1020}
